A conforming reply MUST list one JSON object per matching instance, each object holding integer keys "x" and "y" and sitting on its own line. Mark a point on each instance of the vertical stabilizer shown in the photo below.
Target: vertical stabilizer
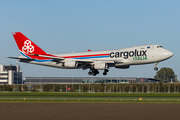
{"x": 25, "y": 45}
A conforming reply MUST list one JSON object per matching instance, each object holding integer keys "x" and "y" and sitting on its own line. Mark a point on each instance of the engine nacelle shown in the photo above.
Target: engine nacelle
{"x": 70, "y": 64}
{"x": 123, "y": 67}
{"x": 100, "y": 66}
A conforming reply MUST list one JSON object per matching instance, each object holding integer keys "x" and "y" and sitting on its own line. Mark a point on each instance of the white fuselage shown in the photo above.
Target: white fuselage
{"x": 136, "y": 55}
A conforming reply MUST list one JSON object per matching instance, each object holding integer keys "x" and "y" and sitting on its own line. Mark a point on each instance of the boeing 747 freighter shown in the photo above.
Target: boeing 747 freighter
{"x": 93, "y": 60}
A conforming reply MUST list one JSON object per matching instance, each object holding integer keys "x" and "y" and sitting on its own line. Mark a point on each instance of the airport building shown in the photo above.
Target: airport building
{"x": 10, "y": 74}
{"x": 87, "y": 80}
{"x": 13, "y": 75}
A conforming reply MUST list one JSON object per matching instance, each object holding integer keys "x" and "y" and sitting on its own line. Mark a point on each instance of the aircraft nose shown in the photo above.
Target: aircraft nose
{"x": 171, "y": 53}
{"x": 168, "y": 54}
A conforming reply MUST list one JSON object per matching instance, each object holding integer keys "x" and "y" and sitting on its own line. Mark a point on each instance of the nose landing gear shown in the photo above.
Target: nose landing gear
{"x": 156, "y": 68}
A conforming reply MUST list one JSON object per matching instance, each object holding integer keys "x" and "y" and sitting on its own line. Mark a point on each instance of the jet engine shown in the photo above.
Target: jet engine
{"x": 100, "y": 66}
{"x": 70, "y": 64}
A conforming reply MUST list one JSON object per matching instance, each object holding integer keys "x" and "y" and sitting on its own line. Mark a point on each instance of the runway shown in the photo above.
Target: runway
{"x": 89, "y": 111}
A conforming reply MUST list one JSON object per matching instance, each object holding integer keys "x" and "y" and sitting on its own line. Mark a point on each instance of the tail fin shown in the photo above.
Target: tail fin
{"x": 25, "y": 45}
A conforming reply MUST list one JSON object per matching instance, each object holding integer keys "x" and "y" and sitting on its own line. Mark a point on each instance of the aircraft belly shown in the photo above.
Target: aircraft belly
{"x": 47, "y": 64}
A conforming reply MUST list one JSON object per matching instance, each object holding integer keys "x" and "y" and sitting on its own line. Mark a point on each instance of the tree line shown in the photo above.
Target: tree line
{"x": 166, "y": 74}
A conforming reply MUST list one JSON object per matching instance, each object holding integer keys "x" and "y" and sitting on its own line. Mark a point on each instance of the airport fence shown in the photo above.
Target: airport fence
{"x": 92, "y": 88}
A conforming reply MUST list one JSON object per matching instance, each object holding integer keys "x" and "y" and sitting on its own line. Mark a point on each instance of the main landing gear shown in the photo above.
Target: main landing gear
{"x": 94, "y": 72}
{"x": 105, "y": 72}
{"x": 156, "y": 68}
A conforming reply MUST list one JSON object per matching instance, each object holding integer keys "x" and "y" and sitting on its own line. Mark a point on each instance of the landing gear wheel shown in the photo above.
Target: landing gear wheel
{"x": 104, "y": 73}
{"x": 106, "y": 70}
{"x": 89, "y": 73}
{"x": 96, "y": 71}
{"x": 156, "y": 68}
{"x": 94, "y": 74}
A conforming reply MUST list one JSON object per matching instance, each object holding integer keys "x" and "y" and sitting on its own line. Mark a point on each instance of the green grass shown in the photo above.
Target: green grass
{"x": 87, "y": 101}
{"x": 90, "y": 94}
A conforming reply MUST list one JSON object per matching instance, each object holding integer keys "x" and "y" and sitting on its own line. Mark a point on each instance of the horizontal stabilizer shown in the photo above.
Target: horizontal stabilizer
{"x": 21, "y": 58}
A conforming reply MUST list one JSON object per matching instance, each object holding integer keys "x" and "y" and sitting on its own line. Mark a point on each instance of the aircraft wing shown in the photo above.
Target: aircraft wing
{"x": 55, "y": 58}
{"x": 58, "y": 58}
{"x": 49, "y": 56}
{"x": 21, "y": 58}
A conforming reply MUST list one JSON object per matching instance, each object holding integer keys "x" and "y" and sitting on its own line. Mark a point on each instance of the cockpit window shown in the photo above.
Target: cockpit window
{"x": 159, "y": 46}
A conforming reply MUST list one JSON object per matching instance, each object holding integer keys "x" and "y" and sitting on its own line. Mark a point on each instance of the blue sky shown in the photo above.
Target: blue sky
{"x": 66, "y": 26}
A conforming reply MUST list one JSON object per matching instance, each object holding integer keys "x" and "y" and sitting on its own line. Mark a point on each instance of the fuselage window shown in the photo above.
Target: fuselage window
{"x": 159, "y": 46}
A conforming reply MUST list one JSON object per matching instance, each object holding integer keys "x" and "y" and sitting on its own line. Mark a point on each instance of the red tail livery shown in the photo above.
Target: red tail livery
{"x": 25, "y": 45}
